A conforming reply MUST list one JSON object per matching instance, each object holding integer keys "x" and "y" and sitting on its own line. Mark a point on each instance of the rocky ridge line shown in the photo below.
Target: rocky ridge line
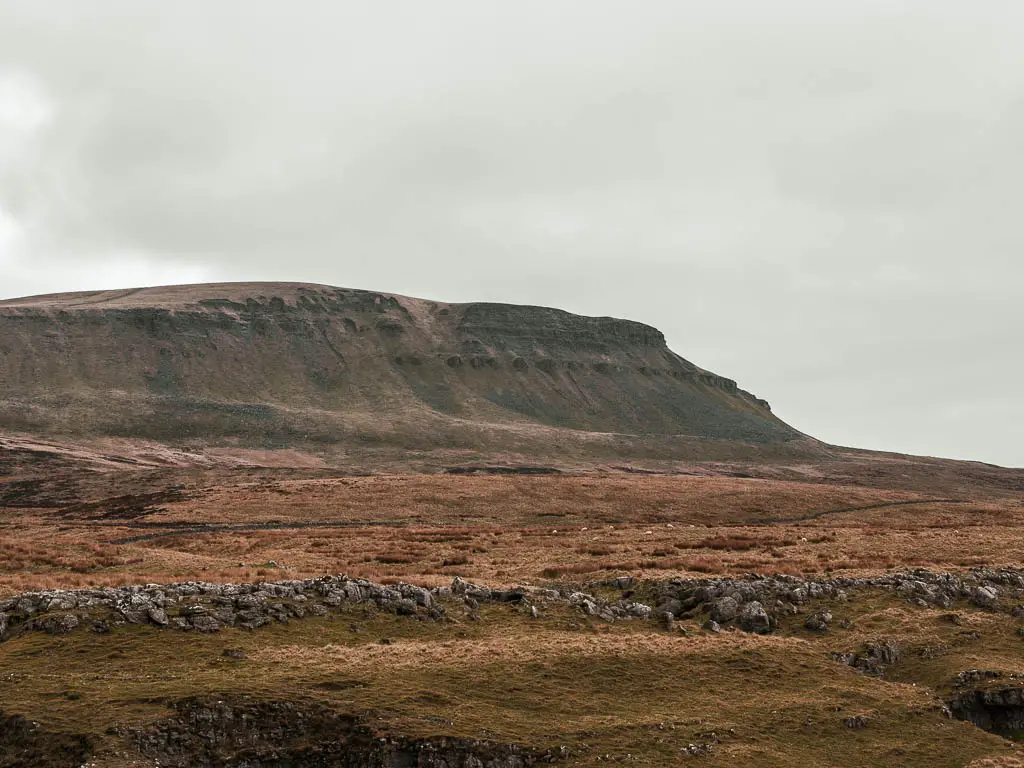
{"x": 752, "y": 603}
{"x": 264, "y": 361}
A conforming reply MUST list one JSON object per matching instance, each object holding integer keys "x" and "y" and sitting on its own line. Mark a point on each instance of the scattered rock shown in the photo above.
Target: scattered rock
{"x": 673, "y": 606}
{"x": 205, "y": 624}
{"x": 986, "y": 597}
{"x": 974, "y": 676}
{"x": 755, "y": 619}
{"x": 205, "y": 607}
{"x": 786, "y": 594}
{"x": 874, "y": 659}
{"x": 724, "y": 610}
{"x": 58, "y": 624}
{"x": 819, "y": 621}
{"x": 695, "y": 750}
{"x": 405, "y": 607}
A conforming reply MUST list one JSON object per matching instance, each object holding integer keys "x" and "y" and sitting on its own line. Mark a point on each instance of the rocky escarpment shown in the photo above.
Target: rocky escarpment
{"x": 521, "y": 330}
{"x": 280, "y": 363}
{"x": 27, "y": 743}
{"x": 990, "y": 700}
{"x": 226, "y": 732}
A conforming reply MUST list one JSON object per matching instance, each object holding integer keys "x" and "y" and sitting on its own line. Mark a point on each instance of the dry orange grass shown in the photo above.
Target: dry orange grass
{"x": 504, "y": 530}
{"x": 628, "y": 692}
{"x": 433, "y": 499}
{"x": 546, "y": 644}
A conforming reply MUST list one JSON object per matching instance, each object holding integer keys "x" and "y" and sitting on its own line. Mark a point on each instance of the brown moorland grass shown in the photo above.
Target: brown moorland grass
{"x": 608, "y": 499}
{"x": 629, "y": 692}
{"x": 604, "y": 691}
{"x": 503, "y": 530}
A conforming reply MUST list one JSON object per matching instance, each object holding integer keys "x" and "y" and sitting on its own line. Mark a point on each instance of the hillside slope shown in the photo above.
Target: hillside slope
{"x": 284, "y": 363}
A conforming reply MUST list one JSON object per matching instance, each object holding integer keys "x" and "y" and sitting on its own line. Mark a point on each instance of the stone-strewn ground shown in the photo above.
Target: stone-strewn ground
{"x": 921, "y": 667}
{"x": 753, "y": 604}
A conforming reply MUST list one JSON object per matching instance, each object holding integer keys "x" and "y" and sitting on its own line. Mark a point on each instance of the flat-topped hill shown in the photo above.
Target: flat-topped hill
{"x": 280, "y": 363}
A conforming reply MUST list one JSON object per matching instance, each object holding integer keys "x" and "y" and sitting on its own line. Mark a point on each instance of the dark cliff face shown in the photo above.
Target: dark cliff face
{"x": 294, "y": 362}
{"x": 223, "y": 733}
{"x": 509, "y": 324}
{"x": 999, "y": 709}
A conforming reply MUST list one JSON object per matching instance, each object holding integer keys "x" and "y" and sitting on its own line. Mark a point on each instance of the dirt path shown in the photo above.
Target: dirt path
{"x": 823, "y": 513}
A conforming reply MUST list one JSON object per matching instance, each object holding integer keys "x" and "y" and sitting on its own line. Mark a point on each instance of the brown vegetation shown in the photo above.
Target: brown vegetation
{"x": 503, "y": 530}
{"x": 629, "y": 692}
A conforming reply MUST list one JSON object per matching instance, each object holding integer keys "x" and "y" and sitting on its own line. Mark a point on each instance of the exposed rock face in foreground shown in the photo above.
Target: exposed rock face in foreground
{"x": 291, "y": 363}
{"x": 226, "y": 732}
{"x": 25, "y": 743}
{"x": 998, "y": 708}
{"x": 209, "y": 733}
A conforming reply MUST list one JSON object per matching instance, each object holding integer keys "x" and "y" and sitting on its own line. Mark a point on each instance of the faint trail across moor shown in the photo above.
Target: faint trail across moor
{"x": 825, "y": 512}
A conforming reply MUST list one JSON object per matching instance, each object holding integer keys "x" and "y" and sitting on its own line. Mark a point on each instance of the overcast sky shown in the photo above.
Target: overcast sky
{"x": 822, "y": 200}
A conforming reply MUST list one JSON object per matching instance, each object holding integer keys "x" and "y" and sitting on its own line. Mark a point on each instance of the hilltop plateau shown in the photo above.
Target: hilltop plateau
{"x": 267, "y": 365}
